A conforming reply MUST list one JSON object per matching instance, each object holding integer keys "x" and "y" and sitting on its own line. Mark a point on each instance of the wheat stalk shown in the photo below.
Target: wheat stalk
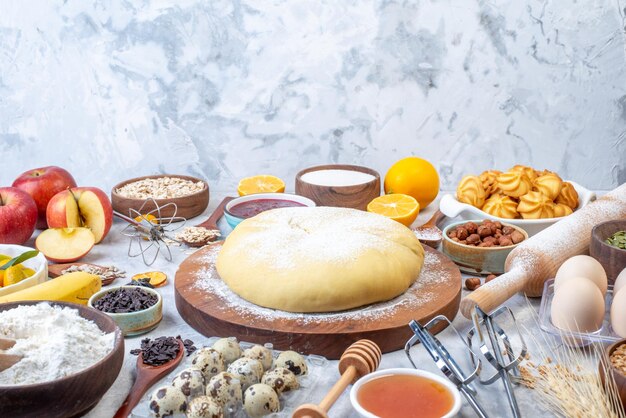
{"x": 565, "y": 384}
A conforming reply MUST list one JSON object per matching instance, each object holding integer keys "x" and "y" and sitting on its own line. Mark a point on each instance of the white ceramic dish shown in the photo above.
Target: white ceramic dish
{"x": 37, "y": 263}
{"x": 451, "y": 207}
{"x": 412, "y": 372}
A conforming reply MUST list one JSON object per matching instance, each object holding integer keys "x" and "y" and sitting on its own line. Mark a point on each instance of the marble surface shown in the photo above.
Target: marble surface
{"x": 224, "y": 89}
{"x": 113, "y": 250}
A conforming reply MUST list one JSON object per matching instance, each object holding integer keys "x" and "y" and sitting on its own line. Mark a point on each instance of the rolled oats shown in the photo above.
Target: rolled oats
{"x": 160, "y": 188}
{"x": 195, "y": 234}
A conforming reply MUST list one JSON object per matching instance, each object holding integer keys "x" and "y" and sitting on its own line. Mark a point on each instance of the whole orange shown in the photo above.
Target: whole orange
{"x": 413, "y": 176}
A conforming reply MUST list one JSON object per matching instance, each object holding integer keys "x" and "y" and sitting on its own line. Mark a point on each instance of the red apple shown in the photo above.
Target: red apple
{"x": 81, "y": 206}
{"x": 18, "y": 216}
{"x": 43, "y": 183}
{"x": 65, "y": 245}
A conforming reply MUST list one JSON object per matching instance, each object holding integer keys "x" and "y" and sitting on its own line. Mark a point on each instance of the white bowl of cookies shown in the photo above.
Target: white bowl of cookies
{"x": 522, "y": 196}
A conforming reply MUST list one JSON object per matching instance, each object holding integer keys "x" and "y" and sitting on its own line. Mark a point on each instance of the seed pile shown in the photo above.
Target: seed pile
{"x": 162, "y": 349}
{"x": 195, "y": 234}
{"x": 160, "y": 188}
{"x": 106, "y": 273}
{"x": 124, "y": 300}
{"x": 618, "y": 240}
{"x": 618, "y": 358}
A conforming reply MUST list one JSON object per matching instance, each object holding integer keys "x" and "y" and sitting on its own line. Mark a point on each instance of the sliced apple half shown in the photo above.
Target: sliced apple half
{"x": 81, "y": 207}
{"x": 64, "y": 245}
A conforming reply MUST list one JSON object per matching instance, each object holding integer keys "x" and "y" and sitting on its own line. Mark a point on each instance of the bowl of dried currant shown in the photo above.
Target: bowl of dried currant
{"x": 135, "y": 309}
{"x": 481, "y": 246}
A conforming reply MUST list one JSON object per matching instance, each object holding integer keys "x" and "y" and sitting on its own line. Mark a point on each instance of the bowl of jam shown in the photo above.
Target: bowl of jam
{"x": 245, "y": 207}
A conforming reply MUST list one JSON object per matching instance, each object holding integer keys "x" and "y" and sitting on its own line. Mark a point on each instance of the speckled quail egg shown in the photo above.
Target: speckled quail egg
{"x": 292, "y": 361}
{"x": 204, "y": 407}
{"x": 190, "y": 381}
{"x": 247, "y": 370}
{"x": 167, "y": 401}
{"x": 281, "y": 380}
{"x": 260, "y": 400}
{"x": 225, "y": 389}
{"x": 263, "y": 354}
{"x": 229, "y": 347}
{"x": 209, "y": 361}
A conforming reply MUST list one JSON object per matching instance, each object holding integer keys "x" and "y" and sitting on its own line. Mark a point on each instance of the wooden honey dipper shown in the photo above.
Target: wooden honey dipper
{"x": 359, "y": 359}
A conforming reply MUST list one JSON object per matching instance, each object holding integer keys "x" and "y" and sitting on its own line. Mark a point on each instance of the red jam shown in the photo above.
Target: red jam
{"x": 254, "y": 207}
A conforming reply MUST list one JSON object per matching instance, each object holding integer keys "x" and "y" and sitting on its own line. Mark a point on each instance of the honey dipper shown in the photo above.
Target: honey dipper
{"x": 359, "y": 359}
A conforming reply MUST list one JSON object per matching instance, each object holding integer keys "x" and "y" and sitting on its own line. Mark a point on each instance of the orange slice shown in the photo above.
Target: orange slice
{"x": 148, "y": 217}
{"x": 260, "y": 184}
{"x": 399, "y": 207}
{"x": 157, "y": 278}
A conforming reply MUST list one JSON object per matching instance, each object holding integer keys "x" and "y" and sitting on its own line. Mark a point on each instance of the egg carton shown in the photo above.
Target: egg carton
{"x": 603, "y": 335}
{"x": 289, "y": 401}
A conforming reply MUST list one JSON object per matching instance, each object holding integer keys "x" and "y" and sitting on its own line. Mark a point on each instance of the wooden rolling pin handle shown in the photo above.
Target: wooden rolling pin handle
{"x": 486, "y": 296}
{"x": 315, "y": 411}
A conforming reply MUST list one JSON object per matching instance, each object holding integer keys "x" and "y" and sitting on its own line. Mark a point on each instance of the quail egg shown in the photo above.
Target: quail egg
{"x": 263, "y": 354}
{"x": 209, "y": 361}
{"x": 167, "y": 401}
{"x": 247, "y": 370}
{"x": 260, "y": 400}
{"x": 204, "y": 407}
{"x": 229, "y": 347}
{"x": 190, "y": 381}
{"x": 281, "y": 380}
{"x": 292, "y": 361}
{"x": 225, "y": 389}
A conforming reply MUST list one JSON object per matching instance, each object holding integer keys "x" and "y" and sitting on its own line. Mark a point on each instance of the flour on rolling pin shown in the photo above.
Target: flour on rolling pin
{"x": 538, "y": 258}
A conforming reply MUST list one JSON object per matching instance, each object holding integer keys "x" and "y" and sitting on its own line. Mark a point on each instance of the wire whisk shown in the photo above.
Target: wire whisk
{"x": 149, "y": 232}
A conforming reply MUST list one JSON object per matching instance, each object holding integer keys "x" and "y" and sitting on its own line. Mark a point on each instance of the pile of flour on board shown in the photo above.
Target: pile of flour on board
{"x": 209, "y": 281}
{"x": 55, "y": 342}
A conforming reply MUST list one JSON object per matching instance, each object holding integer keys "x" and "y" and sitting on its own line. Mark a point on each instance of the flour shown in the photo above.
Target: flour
{"x": 336, "y": 178}
{"x": 55, "y": 342}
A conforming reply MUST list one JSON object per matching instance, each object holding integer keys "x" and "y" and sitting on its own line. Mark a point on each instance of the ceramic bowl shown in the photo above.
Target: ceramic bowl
{"x": 451, "y": 207}
{"x": 398, "y": 371}
{"x": 188, "y": 206}
{"x": 613, "y": 259}
{"x": 37, "y": 263}
{"x": 355, "y": 196}
{"x": 618, "y": 376}
{"x": 134, "y": 323}
{"x": 477, "y": 260}
{"x": 233, "y": 220}
{"x": 73, "y": 395}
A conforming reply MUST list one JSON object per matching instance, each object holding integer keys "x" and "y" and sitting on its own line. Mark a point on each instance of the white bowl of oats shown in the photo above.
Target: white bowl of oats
{"x": 190, "y": 194}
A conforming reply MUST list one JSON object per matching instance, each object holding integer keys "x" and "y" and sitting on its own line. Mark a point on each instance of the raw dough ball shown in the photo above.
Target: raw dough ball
{"x": 263, "y": 354}
{"x": 204, "y": 407}
{"x": 578, "y": 306}
{"x": 209, "y": 361}
{"x": 319, "y": 259}
{"x": 581, "y": 266}
{"x": 620, "y": 281}
{"x": 247, "y": 370}
{"x": 281, "y": 380}
{"x": 190, "y": 382}
{"x": 260, "y": 400}
{"x": 292, "y": 361}
{"x": 225, "y": 388}
{"x": 229, "y": 347}
{"x": 167, "y": 401}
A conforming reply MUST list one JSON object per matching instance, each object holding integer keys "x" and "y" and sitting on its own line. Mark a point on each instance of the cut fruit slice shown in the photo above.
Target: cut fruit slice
{"x": 13, "y": 275}
{"x": 147, "y": 217}
{"x": 399, "y": 207}
{"x": 64, "y": 245}
{"x": 157, "y": 278}
{"x": 260, "y": 184}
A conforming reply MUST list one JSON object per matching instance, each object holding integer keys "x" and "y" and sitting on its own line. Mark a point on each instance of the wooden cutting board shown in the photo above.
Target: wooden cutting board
{"x": 205, "y": 303}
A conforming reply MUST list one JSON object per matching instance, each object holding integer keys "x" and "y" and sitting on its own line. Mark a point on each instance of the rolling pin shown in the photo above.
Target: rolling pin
{"x": 538, "y": 258}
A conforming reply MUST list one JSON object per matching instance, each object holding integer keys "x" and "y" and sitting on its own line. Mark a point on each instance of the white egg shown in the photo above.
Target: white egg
{"x": 581, "y": 266}
{"x": 578, "y": 306}
{"x": 618, "y": 313}
{"x": 620, "y": 282}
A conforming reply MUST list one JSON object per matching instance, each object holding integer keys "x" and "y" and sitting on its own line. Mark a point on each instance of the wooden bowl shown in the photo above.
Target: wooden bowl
{"x": 477, "y": 260}
{"x": 355, "y": 196}
{"x": 188, "y": 206}
{"x": 618, "y": 376}
{"x": 613, "y": 259}
{"x": 72, "y": 395}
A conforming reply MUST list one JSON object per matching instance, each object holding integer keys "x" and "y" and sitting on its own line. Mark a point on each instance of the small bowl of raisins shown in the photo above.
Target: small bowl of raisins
{"x": 481, "y": 246}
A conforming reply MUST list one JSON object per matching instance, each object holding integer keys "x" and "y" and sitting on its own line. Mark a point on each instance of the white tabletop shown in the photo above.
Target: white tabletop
{"x": 114, "y": 251}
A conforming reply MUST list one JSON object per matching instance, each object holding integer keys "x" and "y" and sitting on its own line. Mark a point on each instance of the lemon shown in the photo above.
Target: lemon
{"x": 399, "y": 207}
{"x": 13, "y": 275}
